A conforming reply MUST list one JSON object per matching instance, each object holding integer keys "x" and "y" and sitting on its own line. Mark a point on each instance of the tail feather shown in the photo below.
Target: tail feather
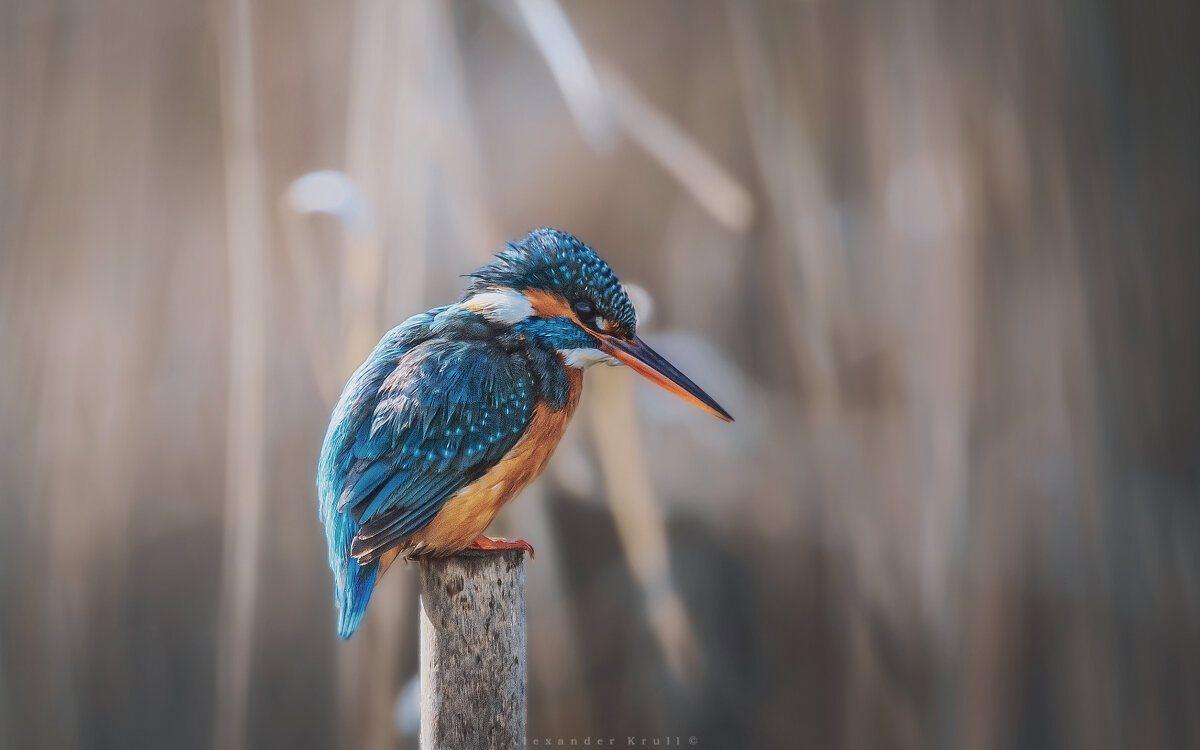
{"x": 353, "y": 595}
{"x": 352, "y": 583}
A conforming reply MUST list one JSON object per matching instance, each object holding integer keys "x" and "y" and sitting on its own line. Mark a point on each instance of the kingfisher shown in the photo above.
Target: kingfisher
{"x": 457, "y": 409}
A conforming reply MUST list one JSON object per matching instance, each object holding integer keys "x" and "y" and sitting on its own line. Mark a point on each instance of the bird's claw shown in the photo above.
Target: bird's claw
{"x": 488, "y": 543}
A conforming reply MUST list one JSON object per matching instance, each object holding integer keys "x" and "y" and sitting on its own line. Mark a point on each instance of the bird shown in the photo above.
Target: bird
{"x": 457, "y": 409}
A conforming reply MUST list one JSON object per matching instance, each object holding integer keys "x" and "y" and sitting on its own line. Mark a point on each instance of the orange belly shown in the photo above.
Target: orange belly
{"x": 465, "y": 515}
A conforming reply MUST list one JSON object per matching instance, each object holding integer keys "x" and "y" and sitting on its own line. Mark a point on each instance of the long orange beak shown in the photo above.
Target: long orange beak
{"x": 644, "y": 360}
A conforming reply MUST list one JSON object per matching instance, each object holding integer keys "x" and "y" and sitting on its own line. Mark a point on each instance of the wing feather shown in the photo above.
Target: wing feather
{"x": 446, "y": 414}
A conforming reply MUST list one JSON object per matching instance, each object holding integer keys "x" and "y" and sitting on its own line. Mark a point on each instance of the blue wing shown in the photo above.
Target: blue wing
{"x": 435, "y": 406}
{"x": 448, "y": 413}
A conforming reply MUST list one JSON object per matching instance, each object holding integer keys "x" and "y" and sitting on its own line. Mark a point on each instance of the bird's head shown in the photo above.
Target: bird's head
{"x": 558, "y": 293}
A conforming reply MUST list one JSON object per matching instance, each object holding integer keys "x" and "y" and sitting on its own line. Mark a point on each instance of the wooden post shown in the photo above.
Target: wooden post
{"x": 473, "y": 651}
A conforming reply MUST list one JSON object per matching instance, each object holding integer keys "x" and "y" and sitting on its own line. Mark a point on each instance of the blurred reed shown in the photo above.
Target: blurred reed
{"x": 249, "y": 296}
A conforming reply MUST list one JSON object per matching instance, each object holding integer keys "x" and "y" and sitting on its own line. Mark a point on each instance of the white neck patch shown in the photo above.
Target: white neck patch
{"x": 501, "y": 305}
{"x": 585, "y": 358}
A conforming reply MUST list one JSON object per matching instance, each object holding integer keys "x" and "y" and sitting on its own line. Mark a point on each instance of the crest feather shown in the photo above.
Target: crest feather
{"x": 555, "y": 261}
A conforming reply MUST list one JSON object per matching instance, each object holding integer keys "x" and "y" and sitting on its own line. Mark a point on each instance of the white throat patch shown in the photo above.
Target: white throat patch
{"x": 506, "y": 306}
{"x": 585, "y": 358}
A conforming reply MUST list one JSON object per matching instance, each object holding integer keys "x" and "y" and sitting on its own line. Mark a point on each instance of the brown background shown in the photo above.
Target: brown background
{"x": 939, "y": 258}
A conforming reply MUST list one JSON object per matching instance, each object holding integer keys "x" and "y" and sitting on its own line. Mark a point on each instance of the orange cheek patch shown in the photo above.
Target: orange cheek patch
{"x": 548, "y": 305}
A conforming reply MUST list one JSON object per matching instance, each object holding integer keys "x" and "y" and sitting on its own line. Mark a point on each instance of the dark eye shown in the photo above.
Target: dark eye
{"x": 585, "y": 312}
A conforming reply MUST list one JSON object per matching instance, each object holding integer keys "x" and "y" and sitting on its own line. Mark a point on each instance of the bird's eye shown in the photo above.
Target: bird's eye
{"x": 585, "y": 312}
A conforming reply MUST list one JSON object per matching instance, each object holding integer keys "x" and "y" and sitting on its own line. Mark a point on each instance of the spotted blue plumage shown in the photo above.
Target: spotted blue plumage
{"x": 550, "y": 259}
{"x": 441, "y": 399}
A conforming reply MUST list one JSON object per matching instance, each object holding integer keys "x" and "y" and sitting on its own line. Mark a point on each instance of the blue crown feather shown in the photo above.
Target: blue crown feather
{"x": 553, "y": 260}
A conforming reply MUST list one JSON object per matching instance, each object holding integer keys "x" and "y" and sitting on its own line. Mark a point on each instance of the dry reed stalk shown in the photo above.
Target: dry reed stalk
{"x": 664, "y": 141}
{"x": 247, "y": 244}
{"x": 640, "y": 524}
{"x": 554, "y": 36}
{"x": 366, "y": 680}
{"x": 603, "y": 102}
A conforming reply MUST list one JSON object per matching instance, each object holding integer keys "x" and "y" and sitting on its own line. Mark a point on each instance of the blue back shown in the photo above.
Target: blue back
{"x": 442, "y": 398}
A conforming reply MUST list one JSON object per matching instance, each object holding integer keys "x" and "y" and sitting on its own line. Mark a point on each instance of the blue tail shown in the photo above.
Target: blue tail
{"x": 353, "y": 595}
{"x": 352, "y": 583}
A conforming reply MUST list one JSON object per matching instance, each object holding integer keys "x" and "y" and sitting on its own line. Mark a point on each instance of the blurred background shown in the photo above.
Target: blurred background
{"x": 938, "y": 258}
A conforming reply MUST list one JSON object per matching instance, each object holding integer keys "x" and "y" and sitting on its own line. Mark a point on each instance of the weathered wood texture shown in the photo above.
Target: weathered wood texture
{"x": 473, "y": 651}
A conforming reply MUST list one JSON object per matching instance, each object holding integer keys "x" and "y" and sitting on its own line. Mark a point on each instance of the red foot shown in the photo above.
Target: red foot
{"x": 486, "y": 543}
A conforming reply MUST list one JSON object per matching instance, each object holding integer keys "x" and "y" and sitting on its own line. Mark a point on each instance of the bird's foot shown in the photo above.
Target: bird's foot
{"x": 487, "y": 543}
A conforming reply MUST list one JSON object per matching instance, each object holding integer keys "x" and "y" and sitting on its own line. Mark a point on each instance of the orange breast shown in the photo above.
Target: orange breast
{"x": 465, "y": 515}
